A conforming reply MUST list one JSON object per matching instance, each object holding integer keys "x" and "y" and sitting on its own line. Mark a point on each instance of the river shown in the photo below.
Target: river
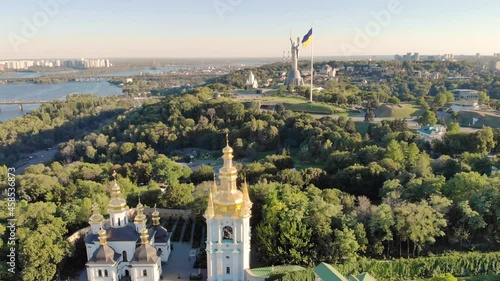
{"x": 27, "y": 91}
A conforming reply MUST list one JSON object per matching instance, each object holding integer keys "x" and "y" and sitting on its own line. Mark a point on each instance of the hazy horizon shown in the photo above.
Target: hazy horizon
{"x": 230, "y": 29}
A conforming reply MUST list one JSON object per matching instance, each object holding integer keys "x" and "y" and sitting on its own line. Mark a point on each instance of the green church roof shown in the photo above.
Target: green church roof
{"x": 328, "y": 273}
{"x": 365, "y": 276}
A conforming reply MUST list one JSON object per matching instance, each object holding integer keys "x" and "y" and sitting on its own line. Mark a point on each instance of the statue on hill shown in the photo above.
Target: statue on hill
{"x": 293, "y": 77}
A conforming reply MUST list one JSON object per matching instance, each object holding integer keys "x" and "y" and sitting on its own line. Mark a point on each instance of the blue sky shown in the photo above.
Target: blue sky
{"x": 245, "y": 28}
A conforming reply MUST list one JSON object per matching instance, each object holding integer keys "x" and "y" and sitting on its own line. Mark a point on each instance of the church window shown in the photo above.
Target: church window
{"x": 119, "y": 221}
{"x": 99, "y": 273}
{"x": 145, "y": 272}
{"x": 227, "y": 233}
{"x": 105, "y": 273}
{"x": 124, "y": 256}
{"x": 228, "y": 270}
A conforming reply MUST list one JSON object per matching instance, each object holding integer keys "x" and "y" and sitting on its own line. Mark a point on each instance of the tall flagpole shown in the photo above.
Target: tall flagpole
{"x": 312, "y": 69}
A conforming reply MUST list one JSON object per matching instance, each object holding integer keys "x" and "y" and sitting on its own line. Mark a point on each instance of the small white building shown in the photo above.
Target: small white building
{"x": 464, "y": 105}
{"x": 429, "y": 132}
{"x": 328, "y": 71}
{"x": 465, "y": 94}
{"x": 251, "y": 81}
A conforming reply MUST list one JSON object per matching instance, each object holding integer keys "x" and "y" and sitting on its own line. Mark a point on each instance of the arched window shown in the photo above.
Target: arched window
{"x": 227, "y": 233}
{"x": 159, "y": 252}
{"x": 99, "y": 273}
{"x": 119, "y": 221}
{"x": 124, "y": 253}
{"x": 145, "y": 272}
{"x": 105, "y": 273}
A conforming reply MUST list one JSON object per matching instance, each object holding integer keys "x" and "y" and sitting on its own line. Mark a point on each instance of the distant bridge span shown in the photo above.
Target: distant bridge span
{"x": 25, "y": 102}
{"x": 20, "y": 103}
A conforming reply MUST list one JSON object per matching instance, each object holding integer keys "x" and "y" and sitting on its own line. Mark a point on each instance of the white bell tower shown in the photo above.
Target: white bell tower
{"x": 228, "y": 225}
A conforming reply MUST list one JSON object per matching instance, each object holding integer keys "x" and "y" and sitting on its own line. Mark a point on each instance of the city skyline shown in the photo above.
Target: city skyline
{"x": 239, "y": 28}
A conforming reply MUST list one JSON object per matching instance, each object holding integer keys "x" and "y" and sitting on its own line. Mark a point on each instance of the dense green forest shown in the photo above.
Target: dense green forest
{"x": 379, "y": 195}
{"x": 384, "y": 194}
{"x": 54, "y": 123}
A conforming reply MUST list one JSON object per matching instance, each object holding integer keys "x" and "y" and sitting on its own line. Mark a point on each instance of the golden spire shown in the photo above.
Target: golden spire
{"x": 144, "y": 236}
{"x": 215, "y": 185}
{"x": 247, "y": 204}
{"x": 227, "y": 139}
{"x": 246, "y": 197}
{"x": 140, "y": 217}
{"x": 96, "y": 216}
{"x": 209, "y": 213}
{"x": 156, "y": 217}
{"x": 102, "y": 237}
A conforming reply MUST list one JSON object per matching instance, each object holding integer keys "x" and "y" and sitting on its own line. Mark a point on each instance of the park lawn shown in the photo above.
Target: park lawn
{"x": 399, "y": 111}
{"x": 314, "y": 108}
{"x": 303, "y": 105}
{"x": 474, "y": 278}
{"x": 489, "y": 119}
{"x": 299, "y": 165}
{"x": 480, "y": 278}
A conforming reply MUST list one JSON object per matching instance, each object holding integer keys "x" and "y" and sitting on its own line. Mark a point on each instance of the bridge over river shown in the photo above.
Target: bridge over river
{"x": 20, "y": 103}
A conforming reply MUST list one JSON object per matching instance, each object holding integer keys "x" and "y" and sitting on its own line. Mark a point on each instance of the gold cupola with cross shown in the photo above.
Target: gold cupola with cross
{"x": 117, "y": 207}
{"x": 227, "y": 199}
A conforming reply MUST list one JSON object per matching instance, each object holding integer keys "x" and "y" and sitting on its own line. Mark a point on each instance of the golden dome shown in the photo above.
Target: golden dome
{"x": 140, "y": 217}
{"x": 228, "y": 197}
{"x": 96, "y": 216}
{"x": 156, "y": 217}
{"x": 116, "y": 203}
{"x": 227, "y": 149}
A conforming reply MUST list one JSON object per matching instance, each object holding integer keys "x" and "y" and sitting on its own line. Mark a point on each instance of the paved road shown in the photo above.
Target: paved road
{"x": 180, "y": 263}
{"x": 38, "y": 158}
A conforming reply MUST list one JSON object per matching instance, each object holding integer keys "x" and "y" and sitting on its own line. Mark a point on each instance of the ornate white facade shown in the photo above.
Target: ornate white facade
{"x": 228, "y": 226}
{"x": 125, "y": 249}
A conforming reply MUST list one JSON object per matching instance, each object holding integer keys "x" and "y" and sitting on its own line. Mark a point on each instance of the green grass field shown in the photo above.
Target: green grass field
{"x": 481, "y": 278}
{"x": 485, "y": 119}
{"x": 303, "y": 105}
{"x": 399, "y": 111}
{"x": 294, "y": 153}
{"x": 474, "y": 278}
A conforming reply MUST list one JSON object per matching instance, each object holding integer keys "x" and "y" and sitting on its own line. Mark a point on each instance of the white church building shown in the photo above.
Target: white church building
{"x": 228, "y": 226}
{"x": 125, "y": 249}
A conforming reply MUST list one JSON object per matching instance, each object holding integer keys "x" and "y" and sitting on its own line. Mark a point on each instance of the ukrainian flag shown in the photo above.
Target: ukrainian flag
{"x": 307, "y": 38}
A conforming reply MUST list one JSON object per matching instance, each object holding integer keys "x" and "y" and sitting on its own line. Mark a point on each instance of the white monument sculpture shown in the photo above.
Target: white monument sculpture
{"x": 293, "y": 77}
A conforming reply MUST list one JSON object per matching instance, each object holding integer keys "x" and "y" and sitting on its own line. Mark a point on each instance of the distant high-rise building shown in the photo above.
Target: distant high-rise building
{"x": 407, "y": 57}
